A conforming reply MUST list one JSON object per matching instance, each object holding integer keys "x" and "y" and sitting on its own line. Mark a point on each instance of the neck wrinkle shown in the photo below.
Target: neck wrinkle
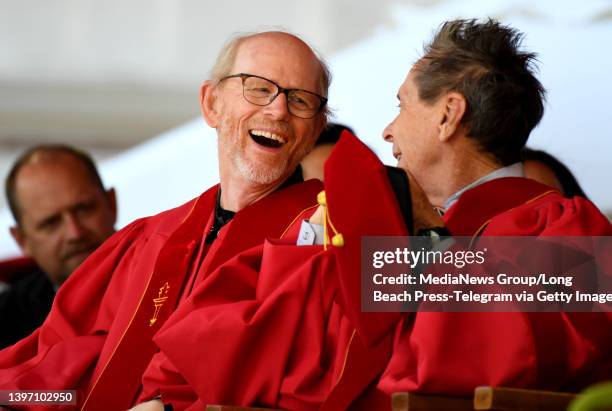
{"x": 462, "y": 170}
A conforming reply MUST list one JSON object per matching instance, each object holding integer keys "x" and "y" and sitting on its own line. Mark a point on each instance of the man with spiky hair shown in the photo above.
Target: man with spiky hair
{"x": 267, "y": 100}
{"x": 466, "y": 110}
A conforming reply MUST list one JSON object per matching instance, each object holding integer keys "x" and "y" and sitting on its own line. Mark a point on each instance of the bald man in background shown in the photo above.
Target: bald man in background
{"x": 62, "y": 214}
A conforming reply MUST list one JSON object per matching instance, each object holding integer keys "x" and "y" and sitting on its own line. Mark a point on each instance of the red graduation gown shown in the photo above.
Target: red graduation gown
{"x": 452, "y": 353}
{"x": 290, "y": 334}
{"x": 98, "y": 336}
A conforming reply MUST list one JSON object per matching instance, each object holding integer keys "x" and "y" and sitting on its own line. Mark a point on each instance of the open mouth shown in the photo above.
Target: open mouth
{"x": 267, "y": 139}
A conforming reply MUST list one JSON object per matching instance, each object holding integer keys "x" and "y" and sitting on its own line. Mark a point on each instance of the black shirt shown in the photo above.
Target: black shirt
{"x": 24, "y": 306}
{"x": 223, "y": 216}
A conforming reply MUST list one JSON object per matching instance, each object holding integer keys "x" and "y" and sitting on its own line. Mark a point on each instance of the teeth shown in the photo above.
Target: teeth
{"x": 269, "y": 135}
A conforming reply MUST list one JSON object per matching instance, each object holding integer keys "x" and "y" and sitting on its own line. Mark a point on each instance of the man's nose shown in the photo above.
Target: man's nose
{"x": 388, "y": 133}
{"x": 278, "y": 107}
{"x": 73, "y": 227}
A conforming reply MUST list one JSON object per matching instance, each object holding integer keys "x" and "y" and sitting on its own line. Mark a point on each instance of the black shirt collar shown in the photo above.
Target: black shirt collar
{"x": 223, "y": 216}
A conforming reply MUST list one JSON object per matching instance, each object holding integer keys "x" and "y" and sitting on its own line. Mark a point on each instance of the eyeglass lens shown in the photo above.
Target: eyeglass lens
{"x": 262, "y": 92}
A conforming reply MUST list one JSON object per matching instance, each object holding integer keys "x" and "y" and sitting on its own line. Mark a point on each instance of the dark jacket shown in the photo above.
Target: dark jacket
{"x": 27, "y": 301}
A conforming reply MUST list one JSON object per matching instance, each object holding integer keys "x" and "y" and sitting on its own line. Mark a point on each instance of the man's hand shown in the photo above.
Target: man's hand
{"x": 153, "y": 405}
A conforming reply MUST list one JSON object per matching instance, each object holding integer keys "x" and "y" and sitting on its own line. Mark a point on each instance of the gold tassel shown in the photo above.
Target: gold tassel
{"x": 338, "y": 239}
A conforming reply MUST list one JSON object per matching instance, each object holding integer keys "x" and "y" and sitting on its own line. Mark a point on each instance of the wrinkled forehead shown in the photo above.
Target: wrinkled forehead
{"x": 408, "y": 86}
{"x": 280, "y": 57}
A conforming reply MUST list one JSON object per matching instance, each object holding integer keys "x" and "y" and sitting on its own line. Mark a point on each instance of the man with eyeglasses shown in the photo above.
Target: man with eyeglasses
{"x": 267, "y": 100}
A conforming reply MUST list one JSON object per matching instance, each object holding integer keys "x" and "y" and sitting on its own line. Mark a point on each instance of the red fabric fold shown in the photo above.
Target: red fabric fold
{"x": 98, "y": 336}
{"x": 281, "y": 325}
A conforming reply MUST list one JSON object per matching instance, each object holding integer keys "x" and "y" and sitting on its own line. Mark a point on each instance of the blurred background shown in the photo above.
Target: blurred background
{"x": 121, "y": 79}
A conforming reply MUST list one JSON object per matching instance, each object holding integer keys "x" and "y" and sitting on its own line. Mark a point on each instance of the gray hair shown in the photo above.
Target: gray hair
{"x": 227, "y": 56}
{"x": 485, "y": 62}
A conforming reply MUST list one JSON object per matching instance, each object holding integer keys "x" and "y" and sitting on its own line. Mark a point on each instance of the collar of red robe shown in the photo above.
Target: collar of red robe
{"x": 223, "y": 216}
{"x": 478, "y": 205}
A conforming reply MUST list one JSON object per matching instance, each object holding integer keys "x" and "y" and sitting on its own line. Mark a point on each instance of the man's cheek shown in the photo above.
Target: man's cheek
{"x": 405, "y": 164}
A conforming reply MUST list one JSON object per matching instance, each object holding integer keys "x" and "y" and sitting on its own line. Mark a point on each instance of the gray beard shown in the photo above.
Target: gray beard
{"x": 259, "y": 175}
{"x": 249, "y": 171}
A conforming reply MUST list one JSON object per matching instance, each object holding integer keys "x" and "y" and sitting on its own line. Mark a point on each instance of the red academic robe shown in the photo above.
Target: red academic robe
{"x": 97, "y": 338}
{"x": 291, "y": 333}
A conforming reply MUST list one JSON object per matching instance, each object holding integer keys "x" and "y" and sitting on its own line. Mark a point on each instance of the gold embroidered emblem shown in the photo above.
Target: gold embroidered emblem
{"x": 162, "y": 296}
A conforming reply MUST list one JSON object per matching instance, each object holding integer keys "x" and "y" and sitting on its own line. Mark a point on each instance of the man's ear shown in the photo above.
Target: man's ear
{"x": 208, "y": 97}
{"x": 111, "y": 197}
{"x": 320, "y": 126}
{"x": 453, "y": 112}
{"x": 19, "y": 238}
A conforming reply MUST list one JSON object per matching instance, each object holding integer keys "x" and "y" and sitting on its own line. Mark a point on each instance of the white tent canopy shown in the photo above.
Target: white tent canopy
{"x": 572, "y": 44}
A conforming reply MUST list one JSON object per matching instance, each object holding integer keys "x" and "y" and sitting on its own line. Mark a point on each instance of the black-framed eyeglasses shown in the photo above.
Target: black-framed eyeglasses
{"x": 261, "y": 92}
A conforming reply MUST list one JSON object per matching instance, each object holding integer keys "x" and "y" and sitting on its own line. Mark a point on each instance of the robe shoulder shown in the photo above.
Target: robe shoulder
{"x": 551, "y": 215}
{"x": 166, "y": 222}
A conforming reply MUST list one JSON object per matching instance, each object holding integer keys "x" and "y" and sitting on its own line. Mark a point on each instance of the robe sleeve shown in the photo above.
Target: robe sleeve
{"x": 61, "y": 353}
{"x": 261, "y": 330}
{"x": 552, "y": 215}
{"x": 162, "y": 374}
